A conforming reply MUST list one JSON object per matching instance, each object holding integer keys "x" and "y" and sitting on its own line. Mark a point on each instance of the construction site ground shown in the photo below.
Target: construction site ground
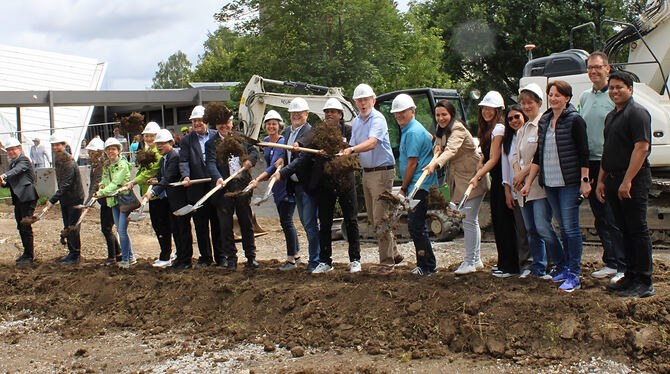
{"x": 89, "y": 318}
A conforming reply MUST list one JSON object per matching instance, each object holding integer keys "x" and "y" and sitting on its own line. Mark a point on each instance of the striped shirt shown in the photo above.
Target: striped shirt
{"x": 553, "y": 175}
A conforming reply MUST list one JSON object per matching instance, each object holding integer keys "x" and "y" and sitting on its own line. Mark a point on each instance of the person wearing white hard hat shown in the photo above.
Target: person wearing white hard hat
{"x": 542, "y": 238}
{"x": 284, "y": 200}
{"x": 370, "y": 140}
{"x": 193, "y": 165}
{"x": 20, "y": 178}
{"x": 96, "y": 148}
{"x": 297, "y": 135}
{"x": 594, "y": 105}
{"x": 230, "y": 200}
{"x": 561, "y": 162}
{"x": 490, "y": 133}
{"x": 180, "y": 226}
{"x": 70, "y": 193}
{"x": 115, "y": 175}
{"x": 415, "y": 154}
{"x": 39, "y": 154}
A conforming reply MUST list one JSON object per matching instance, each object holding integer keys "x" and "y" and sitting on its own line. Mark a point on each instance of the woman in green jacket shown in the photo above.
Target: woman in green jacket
{"x": 115, "y": 175}
{"x": 148, "y": 163}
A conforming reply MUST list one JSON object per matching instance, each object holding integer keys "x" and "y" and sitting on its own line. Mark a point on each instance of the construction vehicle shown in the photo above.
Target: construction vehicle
{"x": 255, "y": 98}
{"x": 649, "y": 61}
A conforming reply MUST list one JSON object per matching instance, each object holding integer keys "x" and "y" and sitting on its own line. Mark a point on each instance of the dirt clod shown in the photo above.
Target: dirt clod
{"x": 132, "y": 124}
{"x": 298, "y": 351}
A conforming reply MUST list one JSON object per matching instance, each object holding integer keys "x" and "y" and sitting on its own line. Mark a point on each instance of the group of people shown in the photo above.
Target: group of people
{"x": 534, "y": 166}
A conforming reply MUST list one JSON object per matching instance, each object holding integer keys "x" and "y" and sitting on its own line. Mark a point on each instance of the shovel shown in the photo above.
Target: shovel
{"x": 188, "y": 208}
{"x": 94, "y": 199}
{"x": 465, "y": 197}
{"x": 268, "y": 192}
{"x": 42, "y": 213}
{"x": 140, "y": 215}
{"x": 283, "y": 146}
{"x": 410, "y": 203}
{"x": 195, "y": 181}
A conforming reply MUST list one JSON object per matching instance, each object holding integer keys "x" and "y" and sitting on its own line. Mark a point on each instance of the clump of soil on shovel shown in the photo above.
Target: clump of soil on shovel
{"x": 217, "y": 113}
{"x": 327, "y": 136}
{"x": 145, "y": 158}
{"x": 230, "y": 146}
{"x": 436, "y": 199}
{"x": 132, "y": 123}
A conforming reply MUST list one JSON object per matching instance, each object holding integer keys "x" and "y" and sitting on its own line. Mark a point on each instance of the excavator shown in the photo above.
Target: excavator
{"x": 648, "y": 46}
{"x": 252, "y": 109}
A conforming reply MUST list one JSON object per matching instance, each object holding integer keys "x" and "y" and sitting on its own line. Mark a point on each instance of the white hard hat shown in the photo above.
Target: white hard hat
{"x": 96, "y": 144}
{"x": 198, "y": 112}
{"x": 402, "y": 102}
{"x": 151, "y": 128}
{"x": 298, "y": 105}
{"x": 363, "y": 90}
{"x": 164, "y": 136}
{"x": 333, "y": 103}
{"x": 272, "y": 114}
{"x": 111, "y": 142}
{"x": 12, "y": 142}
{"x": 493, "y": 99}
{"x": 57, "y": 137}
{"x": 534, "y": 88}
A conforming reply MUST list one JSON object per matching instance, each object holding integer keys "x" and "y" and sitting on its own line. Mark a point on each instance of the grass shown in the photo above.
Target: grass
{"x": 4, "y": 192}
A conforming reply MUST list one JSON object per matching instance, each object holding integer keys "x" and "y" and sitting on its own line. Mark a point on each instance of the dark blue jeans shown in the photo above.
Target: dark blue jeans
{"x": 541, "y": 235}
{"x": 609, "y": 233}
{"x": 286, "y": 209}
{"x": 416, "y": 223}
{"x": 308, "y": 212}
{"x": 563, "y": 201}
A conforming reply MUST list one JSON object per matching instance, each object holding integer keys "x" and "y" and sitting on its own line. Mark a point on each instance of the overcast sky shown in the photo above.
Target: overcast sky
{"x": 132, "y": 36}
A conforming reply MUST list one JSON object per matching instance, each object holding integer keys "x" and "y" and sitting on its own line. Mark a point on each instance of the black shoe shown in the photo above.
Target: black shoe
{"x": 65, "y": 258}
{"x": 231, "y": 264}
{"x": 621, "y": 285}
{"x": 638, "y": 290}
{"x": 252, "y": 264}
{"x": 72, "y": 260}
{"x": 180, "y": 266}
{"x": 118, "y": 258}
{"x": 24, "y": 260}
{"x": 398, "y": 259}
{"x": 202, "y": 264}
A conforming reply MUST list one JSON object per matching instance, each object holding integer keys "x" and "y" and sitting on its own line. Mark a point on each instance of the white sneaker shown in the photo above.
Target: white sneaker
{"x": 524, "y": 274}
{"x": 616, "y": 277}
{"x": 604, "y": 272}
{"x": 132, "y": 260}
{"x": 161, "y": 264}
{"x": 500, "y": 274}
{"x": 322, "y": 268}
{"x": 465, "y": 268}
{"x": 355, "y": 266}
{"x": 479, "y": 264}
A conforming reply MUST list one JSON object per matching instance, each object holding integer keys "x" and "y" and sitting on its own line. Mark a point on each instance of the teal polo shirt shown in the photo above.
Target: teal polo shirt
{"x": 593, "y": 107}
{"x": 415, "y": 142}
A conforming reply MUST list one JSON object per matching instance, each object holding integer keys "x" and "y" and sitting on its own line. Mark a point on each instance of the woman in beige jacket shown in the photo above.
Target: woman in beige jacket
{"x": 455, "y": 145}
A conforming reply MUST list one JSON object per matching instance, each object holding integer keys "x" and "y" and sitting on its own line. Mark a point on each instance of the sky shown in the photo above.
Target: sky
{"x": 132, "y": 36}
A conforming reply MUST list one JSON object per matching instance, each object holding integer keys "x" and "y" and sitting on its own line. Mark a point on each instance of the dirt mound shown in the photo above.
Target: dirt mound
{"x": 399, "y": 316}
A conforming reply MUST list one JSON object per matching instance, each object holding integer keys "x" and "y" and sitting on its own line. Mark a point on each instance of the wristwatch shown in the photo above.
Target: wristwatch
{"x": 585, "y": 179}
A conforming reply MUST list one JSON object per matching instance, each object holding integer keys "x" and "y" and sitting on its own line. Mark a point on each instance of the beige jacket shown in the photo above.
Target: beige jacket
{"x": 526, "y": 144}
{"x": 460, "y": 151}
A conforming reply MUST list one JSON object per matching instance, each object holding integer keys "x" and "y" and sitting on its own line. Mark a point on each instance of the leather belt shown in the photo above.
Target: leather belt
{"x": 378, "y": 168}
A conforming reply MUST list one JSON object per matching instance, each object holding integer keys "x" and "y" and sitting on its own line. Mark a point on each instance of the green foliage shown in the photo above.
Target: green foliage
{"x": 173, "y": 73}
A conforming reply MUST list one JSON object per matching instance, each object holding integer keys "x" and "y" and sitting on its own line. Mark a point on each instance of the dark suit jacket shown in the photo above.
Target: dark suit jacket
{"x": 21, "y": 180}
{"x": 192, "y": 164}
{"x": 70, "y": 191}
{"x": 218, "y": 170}
{"x": 169, "y": 173}
{"x": 303, "y": 167}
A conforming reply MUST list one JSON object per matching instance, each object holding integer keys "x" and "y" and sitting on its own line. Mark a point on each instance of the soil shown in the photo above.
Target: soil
{"x": 132, "y": 123}
{"x": 90, "y": 318}
{"x": 145, "y": 158}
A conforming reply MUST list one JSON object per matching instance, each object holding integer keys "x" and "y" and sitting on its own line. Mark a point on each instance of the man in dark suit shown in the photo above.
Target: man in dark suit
{"x": 192, "y": 166}
{"x": 226, "y": 206}
{"x": 21, "y": 180}
{"x": 297, "y": 179}
{"x": 176, "y": 196}
{"x": 70, "y": 193}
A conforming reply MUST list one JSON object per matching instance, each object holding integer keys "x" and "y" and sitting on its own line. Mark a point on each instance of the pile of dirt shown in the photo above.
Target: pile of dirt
{"x": 132, "y": 124}
{"x": 398, "y": 316}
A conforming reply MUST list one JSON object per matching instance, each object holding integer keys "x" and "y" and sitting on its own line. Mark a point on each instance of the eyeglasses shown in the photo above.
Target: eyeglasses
{"x": 595, "y": 67}
{"x": 512, "y": 118}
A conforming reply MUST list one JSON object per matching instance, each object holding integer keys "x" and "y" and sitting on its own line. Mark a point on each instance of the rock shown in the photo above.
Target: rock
{"x": 647, "y": 339}
{"x": 373, "y": 350}
{"x": 568, "y": 328}
{"x": 269, "y": 346}
{"x": 298, "y": 351}
{"x": 81, "y": 352}
{"x": 495, "y": 346}
{"x": 415, "y": 307}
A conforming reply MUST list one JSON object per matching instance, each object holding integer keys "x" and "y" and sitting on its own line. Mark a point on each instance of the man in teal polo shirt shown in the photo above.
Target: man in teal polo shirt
{"x": 594, "y": 104}
{"x": 415, "y": 154}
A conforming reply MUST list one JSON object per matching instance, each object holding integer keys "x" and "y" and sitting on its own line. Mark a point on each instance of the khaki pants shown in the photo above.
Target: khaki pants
{"x": 374, "y": 183}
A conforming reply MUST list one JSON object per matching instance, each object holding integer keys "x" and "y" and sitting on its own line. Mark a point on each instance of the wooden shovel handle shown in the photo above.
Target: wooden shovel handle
{"x": 284, "y": 146}
{"x": 208, "y": 194}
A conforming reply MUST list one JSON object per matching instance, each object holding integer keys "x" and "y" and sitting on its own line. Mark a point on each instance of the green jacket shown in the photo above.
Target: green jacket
{"x": 144, "y": 174}
{"x": 114, "y": 176}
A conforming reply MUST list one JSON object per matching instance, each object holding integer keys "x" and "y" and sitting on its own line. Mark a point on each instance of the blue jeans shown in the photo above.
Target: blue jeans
{"x": 121, "y": 222}
{"x": 308, "y": 212}
{"x": 416, "y": 223}
{"x": 285, "y": 209}
{"x": 541, "y": 235}
{"x": 564, "y": 207}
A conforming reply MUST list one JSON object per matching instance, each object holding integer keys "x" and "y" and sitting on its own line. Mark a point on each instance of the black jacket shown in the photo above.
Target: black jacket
{"x": 70, "y": 191}
{"x": 192, "y": 164}
{"x": 571, "y": 142}
{"x": 218, "y": 170}
{"x": 21, "y": 180}
{"x": 169, "y": 173}
{"x": 301, "y": 168}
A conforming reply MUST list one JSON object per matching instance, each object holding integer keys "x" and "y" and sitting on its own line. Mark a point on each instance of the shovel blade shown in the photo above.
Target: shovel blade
{"x": 260, "y": 200}
{"x": 136, "y": 216}
{"x": 413, "y": 203}
{"x": 186, "y": 209}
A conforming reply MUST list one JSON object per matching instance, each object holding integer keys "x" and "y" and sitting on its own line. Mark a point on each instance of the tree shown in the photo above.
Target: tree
{"x": 173, "y": 73}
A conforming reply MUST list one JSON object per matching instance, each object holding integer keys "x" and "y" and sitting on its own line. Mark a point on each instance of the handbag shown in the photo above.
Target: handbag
{"x": 127, "y": 202}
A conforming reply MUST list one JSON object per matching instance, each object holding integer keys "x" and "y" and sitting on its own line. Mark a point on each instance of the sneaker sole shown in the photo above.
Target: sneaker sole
{"x": 572, "y": 289}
